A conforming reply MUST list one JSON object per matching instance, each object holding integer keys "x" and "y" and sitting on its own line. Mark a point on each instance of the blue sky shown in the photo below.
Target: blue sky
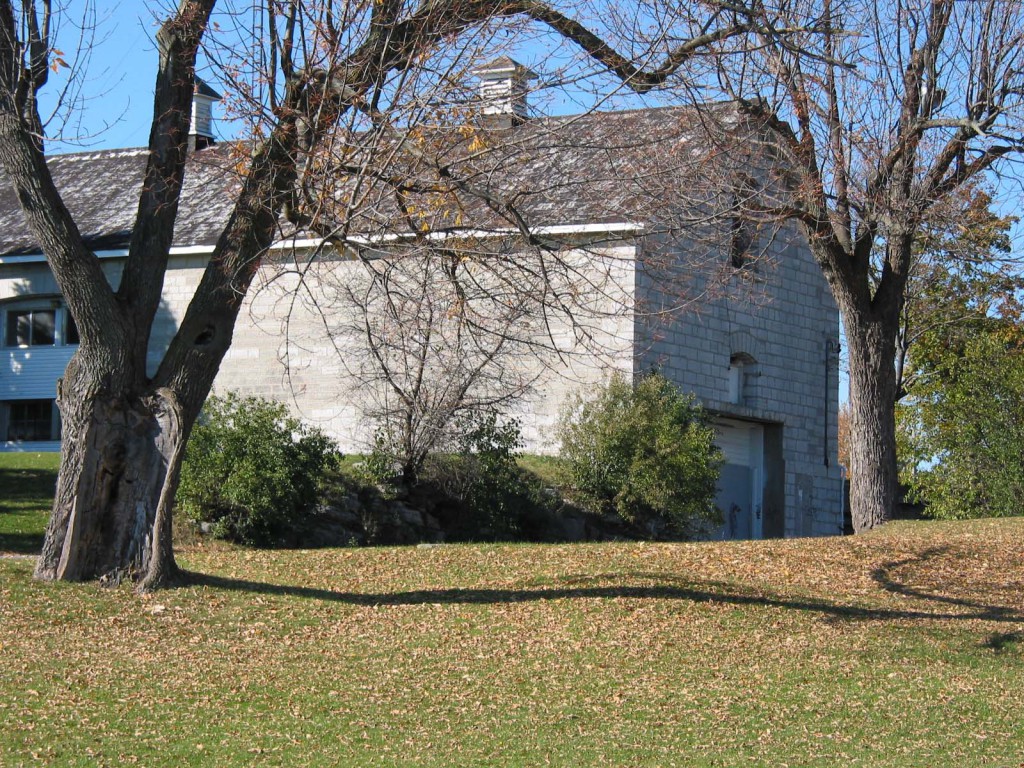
{"x": 117, "y": 84}
{"x": 117, "y": 81}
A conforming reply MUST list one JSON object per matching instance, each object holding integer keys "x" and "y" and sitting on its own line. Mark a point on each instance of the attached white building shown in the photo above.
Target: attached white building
{"x": 742, "y": 319}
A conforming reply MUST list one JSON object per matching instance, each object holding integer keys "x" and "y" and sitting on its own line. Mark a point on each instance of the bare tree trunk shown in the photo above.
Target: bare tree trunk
{"x": 121, "y": 456}
{"x": 162, "y": 570}
{"x": 874, "y": 484}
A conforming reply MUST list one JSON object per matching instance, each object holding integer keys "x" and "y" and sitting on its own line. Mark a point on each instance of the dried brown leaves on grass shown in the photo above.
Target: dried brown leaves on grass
{"x": 901, "y": 647}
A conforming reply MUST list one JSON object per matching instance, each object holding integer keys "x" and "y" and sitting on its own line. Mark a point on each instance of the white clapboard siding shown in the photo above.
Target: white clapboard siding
{"x": 31, "y": 373}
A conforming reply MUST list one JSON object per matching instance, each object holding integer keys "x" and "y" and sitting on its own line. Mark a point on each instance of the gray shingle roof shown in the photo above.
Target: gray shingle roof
{"x": 101, "y": 190}
{"x": 203, "y": 89}
{"x": 631, "y": 166}
{"x": 501, "y": 63}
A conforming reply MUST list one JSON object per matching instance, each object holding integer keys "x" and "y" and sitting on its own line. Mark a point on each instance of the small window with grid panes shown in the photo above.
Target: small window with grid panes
{"x": 28, "y": 325}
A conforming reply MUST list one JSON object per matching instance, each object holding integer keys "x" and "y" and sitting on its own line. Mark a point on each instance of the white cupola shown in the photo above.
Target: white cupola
{"x": 200, "y": 132}
{"x": 503, "y": 90}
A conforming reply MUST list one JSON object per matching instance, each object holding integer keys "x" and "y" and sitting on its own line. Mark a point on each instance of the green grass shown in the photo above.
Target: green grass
{"x": 904, "y": 647}
{"x": 26, "y": 491}
{"x": 549, "y": 469}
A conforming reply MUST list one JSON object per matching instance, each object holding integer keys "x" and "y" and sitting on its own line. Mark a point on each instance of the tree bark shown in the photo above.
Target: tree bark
{"x": 162, "y": 569}
{"x": 874, "y": 480}
{"x": 119, "y": 467}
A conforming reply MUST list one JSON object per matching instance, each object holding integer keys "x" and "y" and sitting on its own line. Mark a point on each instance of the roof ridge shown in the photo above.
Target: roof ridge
{"x": 634, "y": 110}
{"x": 97, "y": 154}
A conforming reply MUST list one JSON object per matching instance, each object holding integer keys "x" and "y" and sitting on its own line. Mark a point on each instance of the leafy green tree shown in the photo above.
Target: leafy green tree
{"x": 644, "y": 451}
{"x": 960, "y": 410}
{"x": 963, "y": 273}
{"x": 962, "y": 433}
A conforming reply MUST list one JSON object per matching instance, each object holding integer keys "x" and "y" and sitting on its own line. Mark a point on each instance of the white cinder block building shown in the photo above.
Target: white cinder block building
{"x": 646, "y": 269}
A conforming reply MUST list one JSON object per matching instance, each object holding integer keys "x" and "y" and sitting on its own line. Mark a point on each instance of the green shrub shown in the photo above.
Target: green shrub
{"x": 482, "y": 475}
{"x": 251, "y": 470}
{"x": 382, "y": 467}
{"x": 474, "y": 486}
{"x": 645, "y": 452}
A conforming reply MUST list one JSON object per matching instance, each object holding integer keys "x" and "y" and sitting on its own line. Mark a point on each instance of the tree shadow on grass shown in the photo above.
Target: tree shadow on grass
{"x": 883, "y": 575}
{"x": 26, "y": 495}
{"x": 21, "y": 543}
{"x": 595, "y": 587}
{"x": 1004, "y": 642}
{"x": 27, "y": 484}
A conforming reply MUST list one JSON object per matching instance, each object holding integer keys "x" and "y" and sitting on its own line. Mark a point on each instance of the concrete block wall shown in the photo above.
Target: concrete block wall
{"x": 778, "y": 311}
{"x": 293, "y": 342}
{"x": 287, "y": 346}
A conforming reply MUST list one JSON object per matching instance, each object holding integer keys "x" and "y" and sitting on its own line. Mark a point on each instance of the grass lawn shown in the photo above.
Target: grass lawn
{"x": 27, "y": 481}
{"x": 903, "y": 647}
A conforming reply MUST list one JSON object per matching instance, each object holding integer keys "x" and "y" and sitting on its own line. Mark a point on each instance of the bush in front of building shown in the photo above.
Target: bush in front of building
{"x": 645, "y": 452}
{"x": 472, "y": 484}
{"x": 251, "y": 471}
{"x": 494, "y": 498}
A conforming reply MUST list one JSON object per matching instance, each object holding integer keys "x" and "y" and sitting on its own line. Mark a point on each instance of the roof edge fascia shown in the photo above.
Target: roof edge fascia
{"x": 621, "y": 228}
{"x": 113, "y": 253}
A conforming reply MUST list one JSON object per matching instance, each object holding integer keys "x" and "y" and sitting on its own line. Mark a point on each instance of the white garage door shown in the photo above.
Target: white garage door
{"x": 741, "y": 484}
